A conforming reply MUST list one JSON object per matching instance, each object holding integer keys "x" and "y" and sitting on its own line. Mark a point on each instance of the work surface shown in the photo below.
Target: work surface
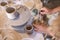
{"x": 6, "y": 31}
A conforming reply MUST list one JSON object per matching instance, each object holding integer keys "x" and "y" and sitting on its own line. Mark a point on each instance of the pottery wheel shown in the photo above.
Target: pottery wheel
{"x": 24, "y": 16}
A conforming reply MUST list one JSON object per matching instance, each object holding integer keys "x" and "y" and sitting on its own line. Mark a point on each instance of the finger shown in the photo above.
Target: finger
{"x": 35, "y": 29}
{"x": 36, "y": 25}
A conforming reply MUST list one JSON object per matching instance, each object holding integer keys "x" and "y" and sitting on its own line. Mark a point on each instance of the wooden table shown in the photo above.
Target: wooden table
{"x": 7, "y": 30}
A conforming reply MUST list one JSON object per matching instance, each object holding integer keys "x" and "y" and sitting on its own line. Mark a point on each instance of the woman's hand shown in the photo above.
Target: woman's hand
{"x": 44, "y": 29}
{"x": 40, "y": 28}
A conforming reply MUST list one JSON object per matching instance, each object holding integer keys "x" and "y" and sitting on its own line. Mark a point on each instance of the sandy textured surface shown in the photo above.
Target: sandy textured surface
{"x": 6, "y": 29}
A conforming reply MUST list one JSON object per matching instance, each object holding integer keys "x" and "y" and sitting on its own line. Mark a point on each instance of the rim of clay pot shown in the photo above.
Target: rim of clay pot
{"x": 27, "y": 39}
{"x": 28, "y": 28}
{"x": 10, "y": 10}
{"x": 3, "y": 3}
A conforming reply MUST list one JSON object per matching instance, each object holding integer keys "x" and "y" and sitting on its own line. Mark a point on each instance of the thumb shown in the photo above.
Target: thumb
{"x": 34, "y": 25}
{"x": 36, "y": 29}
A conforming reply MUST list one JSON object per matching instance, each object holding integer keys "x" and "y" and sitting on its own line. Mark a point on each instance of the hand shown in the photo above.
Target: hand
{"x": 43, "y": 28}
{"x": 40, "y": 28}
{"x": 44, "y": 10}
